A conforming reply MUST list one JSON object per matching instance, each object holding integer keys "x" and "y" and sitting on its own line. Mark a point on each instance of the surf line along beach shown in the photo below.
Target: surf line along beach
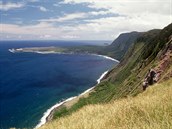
{"x": 34, "y": 50}
{"x": 48, "y": 115}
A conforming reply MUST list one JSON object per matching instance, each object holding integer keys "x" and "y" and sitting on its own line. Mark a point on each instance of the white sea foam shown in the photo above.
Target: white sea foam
{"x": 11, "y": 50}
{"x": 15, "y": 50}
{"x": 87, "y": 91}
{"x": 107, "y": 57}
{"x": 47, "y": 113}
{"x": 101, "y": 77}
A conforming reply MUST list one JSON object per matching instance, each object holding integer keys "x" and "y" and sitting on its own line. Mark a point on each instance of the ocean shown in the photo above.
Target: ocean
{"x": 31, "y": 83}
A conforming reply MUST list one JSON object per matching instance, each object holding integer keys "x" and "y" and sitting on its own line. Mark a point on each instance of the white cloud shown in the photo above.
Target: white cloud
{"x": 42, "y": 30}
{"x": 46, "y": 36}
{"x": 99, "y": 13}
{"x": 134, "y": 15}
{"x": 127, "y": 6}
{"x": 9, "y": 6}
{"x": 70, "y": 37}
{"x": 71, "y": 17}
{"x": 67, "y": 17}
{"x": 75, "y": 16}
{"x": 98, "y": 29}
{"x": 43, "y": 9}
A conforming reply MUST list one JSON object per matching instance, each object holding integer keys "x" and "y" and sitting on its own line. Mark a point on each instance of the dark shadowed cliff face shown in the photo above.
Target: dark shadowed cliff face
{"x": 125, "y": 40}
{"x": 121, "y": 44}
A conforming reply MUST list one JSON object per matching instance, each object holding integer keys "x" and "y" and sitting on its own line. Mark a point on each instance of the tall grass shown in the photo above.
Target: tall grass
{"x": 149, "y": 110}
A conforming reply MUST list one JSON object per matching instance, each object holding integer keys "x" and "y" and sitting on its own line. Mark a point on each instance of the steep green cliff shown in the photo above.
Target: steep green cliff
{"x": 116, "y": 50}
{"x": 148, "y": 51}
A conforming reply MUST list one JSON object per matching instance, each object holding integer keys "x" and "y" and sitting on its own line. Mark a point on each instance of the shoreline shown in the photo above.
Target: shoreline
{"x": 107, "y": 57}
{"x": 12, "y": 50}
{"x": 47, "y": 116}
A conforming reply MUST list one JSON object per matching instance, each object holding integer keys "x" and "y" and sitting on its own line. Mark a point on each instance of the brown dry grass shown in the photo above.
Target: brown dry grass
{"x": 149, "y": 110}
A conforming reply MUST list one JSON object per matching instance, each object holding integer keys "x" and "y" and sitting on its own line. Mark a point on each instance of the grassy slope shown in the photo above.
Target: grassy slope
{"x": 149, "y": 110}
{"x": 126, "y": 79}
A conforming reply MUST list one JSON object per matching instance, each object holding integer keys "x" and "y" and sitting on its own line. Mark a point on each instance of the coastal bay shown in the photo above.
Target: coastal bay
{"x": 48, "y": 115}
{"x": 45, "y": 78}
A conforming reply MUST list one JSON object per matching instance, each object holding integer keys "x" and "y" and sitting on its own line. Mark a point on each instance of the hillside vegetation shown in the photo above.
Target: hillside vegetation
{"x": 149, "y": 110}
{"x": 116, "y": 50}
{"x": 153, "y": 49}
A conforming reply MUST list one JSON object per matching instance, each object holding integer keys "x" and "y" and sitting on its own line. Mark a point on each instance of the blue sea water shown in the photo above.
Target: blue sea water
{"x": 30, "y": 83}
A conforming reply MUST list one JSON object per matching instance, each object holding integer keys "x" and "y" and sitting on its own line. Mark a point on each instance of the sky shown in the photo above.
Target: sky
{"x": 80, "y": 19}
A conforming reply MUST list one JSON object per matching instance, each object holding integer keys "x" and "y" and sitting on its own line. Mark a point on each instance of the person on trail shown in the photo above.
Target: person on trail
{"x": 149, "y": 79}
{"x": 145, "y": 84}
{"x": 152, "y": 77}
